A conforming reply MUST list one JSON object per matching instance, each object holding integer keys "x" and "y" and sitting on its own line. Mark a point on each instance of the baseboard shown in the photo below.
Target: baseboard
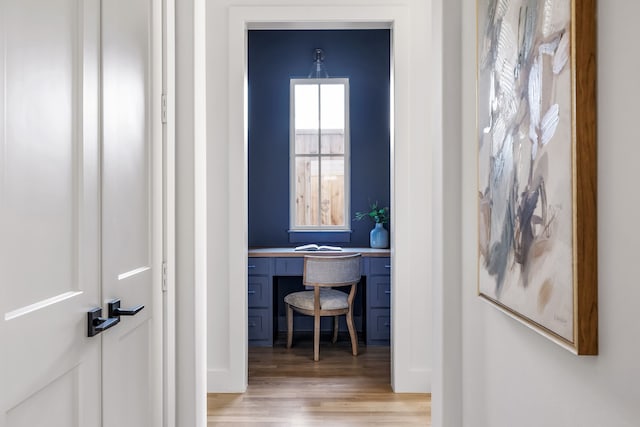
{"x": 412, "y": 381}
{"x": 225, "y": 381}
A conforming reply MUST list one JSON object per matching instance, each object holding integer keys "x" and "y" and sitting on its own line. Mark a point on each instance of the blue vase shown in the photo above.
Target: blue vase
{"x": 379, "y": 237}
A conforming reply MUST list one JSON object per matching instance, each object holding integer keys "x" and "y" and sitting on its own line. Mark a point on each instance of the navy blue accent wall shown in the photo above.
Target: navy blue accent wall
{"x": 273, "y": 58}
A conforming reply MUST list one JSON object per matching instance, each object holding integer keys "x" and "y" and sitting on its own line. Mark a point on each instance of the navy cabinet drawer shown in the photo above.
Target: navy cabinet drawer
{"x": 289, "y": 266}
{"x": 259, "y": 289}
{"x": 295, "y": 267}
{"x": 379, "y": 291}
{"x": 379, "y": 265}
{"x": 259, "y": 323}
{"x": 259, "y": 265}
{"x": 379, "y": 325}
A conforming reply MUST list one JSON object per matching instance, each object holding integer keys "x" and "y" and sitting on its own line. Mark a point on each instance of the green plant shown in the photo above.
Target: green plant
{"x": 375, "y": 213}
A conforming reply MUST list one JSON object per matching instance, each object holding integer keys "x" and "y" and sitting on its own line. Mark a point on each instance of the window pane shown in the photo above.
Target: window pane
{"x": 307, "y": 120}
{"x": 332, "y": 191}
{"x": 306, "y": 191}
{"x": 332, "y": 118}
{"x": 332, "y": 142}
{"x": 306, "y": 106}
{"x": 306, "y": 141}
{"x": 332, "y": 106}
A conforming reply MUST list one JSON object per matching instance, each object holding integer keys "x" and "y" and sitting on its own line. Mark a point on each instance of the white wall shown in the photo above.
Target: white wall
{"x": 447, "y": 314}
{"x": 412, "y": 197}
{"x": 511, "y": 375}
{"x": 190, "y": 251}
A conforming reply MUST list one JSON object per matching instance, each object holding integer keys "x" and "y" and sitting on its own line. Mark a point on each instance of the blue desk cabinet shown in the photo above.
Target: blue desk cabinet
{"x": 376, "y": 272}
{"x": 378, "y": 304}
{"x": 260, "y": 302}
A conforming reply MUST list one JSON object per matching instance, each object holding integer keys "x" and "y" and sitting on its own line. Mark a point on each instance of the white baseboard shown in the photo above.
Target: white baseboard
{"x": 413, "y": 381}
{"x": 224, "y": 381}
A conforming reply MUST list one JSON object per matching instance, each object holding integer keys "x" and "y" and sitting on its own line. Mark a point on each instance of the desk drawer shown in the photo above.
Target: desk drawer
{"x": 379, "y": 265}
{"x": 289, "y": 266}
{"x": 259, "y": 265}
{"x": 379, "y": 291}
{"x": 379, "y": 325}
{"x": 259, "y": 290}
{"x": 295, "y": 267}
{"x": 259, "y": 323}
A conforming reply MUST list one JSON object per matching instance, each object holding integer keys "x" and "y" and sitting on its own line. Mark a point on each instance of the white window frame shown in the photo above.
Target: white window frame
{"x": 292, "y": 157}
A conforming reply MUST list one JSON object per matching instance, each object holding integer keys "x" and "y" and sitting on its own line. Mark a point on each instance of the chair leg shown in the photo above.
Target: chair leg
{"x": 316, "y": 337}
{"x": 352, "y": 334}
{"x": 335, "y": 329}
{"x": 289, "y": 326}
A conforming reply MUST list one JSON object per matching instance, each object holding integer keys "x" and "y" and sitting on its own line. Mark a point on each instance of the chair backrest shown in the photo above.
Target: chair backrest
{"x": 331, "y": 270}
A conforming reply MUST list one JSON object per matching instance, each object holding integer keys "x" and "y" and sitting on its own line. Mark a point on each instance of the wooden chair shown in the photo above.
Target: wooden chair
{"x": 323, "y": 273}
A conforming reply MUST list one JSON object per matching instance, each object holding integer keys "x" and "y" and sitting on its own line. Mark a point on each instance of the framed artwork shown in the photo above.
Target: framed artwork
{"x": 536, "y": 118}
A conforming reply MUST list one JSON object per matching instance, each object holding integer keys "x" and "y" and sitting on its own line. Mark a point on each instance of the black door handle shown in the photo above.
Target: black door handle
{"x": 97, "y": 324}
{"x": 115, "y": 310}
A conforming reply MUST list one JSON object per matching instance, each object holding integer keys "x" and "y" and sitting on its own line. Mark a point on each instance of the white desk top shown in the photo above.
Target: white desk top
{"x": 290, "y": 252}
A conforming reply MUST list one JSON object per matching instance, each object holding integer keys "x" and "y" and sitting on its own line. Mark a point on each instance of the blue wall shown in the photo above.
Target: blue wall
{"x": 274, "y": 58}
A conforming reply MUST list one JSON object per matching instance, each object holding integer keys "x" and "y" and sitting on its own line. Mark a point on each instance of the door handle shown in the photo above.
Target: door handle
{"x": 115, "y": 311}
{"x": 97, "y": 324}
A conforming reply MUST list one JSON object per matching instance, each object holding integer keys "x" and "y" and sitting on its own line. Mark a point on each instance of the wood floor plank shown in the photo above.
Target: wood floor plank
{"x": 287, "y": 388}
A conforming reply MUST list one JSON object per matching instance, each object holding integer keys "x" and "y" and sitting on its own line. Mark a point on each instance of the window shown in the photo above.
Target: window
{"x": 319, "y": 154}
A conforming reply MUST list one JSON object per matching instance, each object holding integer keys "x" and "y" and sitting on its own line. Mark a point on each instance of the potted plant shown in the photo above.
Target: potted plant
{"x": 379, "y": 236}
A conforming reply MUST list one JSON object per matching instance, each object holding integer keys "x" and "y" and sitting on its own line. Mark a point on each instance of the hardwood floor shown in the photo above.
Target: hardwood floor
{"x": 287, "y": 388}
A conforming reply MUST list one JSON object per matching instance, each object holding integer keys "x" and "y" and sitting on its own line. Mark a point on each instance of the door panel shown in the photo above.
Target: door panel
{"x": 47, "y": 404}
{"x": 49, "y": 213}
{"x": 127, "y": 132}
{"x": 131, "y": 405}
{"x": 37, "y": 153}
{"x": 127, "y": 200}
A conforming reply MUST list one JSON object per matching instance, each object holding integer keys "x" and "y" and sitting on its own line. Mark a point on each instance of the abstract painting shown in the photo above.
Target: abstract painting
{"x": 536, "y": 135}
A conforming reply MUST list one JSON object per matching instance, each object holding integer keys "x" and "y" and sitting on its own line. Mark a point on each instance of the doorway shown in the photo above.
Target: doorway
{"x": 212, "y": 326}
{"x": 412, "y": 188}
{"x": 238, "y": 151}
{"x": 360, "y": 57}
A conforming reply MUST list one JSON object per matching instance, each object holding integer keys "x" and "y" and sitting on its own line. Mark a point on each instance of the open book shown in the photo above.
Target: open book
{"x": 314, "y": 247}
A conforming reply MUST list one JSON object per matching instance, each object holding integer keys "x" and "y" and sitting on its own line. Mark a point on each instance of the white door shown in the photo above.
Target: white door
{"x": 71, "y": 215}
{"x": 49, "y": 213}
{"x": 130, "y": 262}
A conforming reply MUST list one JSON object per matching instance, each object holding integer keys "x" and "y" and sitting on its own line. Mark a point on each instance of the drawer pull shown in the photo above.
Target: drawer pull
{"x": 386, "y": 325}
{"x": 252, "y": 324}
{"x": 387, "y": 291}
{"x": 251, "y": 266}
{"x": 252, "y": 292}
{"x": 387, "y": 266}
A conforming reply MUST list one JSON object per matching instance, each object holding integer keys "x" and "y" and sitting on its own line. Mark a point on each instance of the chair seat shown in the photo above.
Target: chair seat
{"x": 330, "y": 299}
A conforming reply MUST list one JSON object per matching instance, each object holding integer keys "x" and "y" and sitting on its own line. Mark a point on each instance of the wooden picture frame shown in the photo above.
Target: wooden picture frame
{"x": 537, "y": 187}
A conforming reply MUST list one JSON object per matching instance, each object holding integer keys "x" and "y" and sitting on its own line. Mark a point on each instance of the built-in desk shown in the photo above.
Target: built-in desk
{"x": 267, "y": 264}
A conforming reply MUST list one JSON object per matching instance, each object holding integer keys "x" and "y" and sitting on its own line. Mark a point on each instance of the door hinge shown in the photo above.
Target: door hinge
{"x": 164, "y": 276}
{"x": 164, "y": 108}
